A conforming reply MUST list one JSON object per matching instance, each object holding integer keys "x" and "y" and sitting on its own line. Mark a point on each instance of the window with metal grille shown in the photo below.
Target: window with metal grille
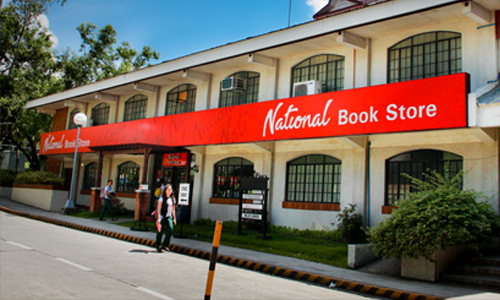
{"x": 313, "y": 178}
{"x": 326, "y": 68}
{"x": 71, "y": 124}
{"x": 100, "y": 114}
{"x": 136, "y": 108}
{"x": 236, "y": 97}
{"x": 128, "y": 177}
{"x": 415, "y": 164}
{"x": 90, "y": 176}
{"x": 227, "y": 174}
{"x": 181, "y": 99}
{"x": 425, "y": 55}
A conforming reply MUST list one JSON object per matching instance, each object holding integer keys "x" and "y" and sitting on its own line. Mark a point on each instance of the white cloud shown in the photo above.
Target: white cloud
{"x": 316, "y": 5}
{"x": 44, "y": 22}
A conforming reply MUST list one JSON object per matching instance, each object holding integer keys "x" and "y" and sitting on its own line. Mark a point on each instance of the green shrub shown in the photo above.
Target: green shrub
{"x": 351, "y": 225}
{"x": 39, "y": 177}
{"x": 7, "y": 176}
{"x": 439, "y": 214}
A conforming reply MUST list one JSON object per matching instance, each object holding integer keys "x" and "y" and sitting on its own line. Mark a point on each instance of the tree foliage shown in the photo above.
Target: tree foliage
{"x": 100, "y": 57}
{"x": 439, "y": 214}
{"x": 31, "y": 69}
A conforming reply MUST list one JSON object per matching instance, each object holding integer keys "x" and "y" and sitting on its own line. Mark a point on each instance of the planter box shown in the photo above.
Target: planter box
{"x": 46, "y": 197}
{"x": 422, "y": 269}
{"x": 359, "y": 255}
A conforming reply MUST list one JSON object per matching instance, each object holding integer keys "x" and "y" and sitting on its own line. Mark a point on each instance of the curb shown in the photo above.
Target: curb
{"x": 329, "y": 282}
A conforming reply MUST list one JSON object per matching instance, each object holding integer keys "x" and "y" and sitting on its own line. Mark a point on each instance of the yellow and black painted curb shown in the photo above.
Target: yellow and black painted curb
{"x": 249, "y": 265}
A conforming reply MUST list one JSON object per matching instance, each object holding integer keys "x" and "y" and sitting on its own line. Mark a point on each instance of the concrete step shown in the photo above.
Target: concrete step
{"x": 489, "y": 270}
{"x": 475, "y": 280}
{"x": 489, "y": 260}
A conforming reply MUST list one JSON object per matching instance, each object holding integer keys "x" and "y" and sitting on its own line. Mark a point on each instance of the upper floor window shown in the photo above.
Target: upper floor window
{"x": 128, "y": 177}
{"x": 313, "y": 178}
{"x": 71, "y": 123}
{"x": 227, "y": 174}
{"x": 425, "y": 55}
{"x": 181, "y": 99}
{"x": 326, "y": 68}
{"x": 136, "y": 108}
{"x": 100, "y": 114}
{"x": 90, "y": 176}
{"x": 416, "y": 163}
{"x": 250, "y": 94}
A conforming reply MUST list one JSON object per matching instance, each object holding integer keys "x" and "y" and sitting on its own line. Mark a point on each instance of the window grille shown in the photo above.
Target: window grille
{"x": 326, "y": 68}
{"x": 71, "y": 124}
{"x": 90, "y": 176}
{"x": 237, "y": 97}
{"x": 181, "y": 99}
{"x": 415, "y": 164}
{"x": 425, "y": 55}
{"x": 128, "y": 177}
{"x": 313, "y": 178}
{"x": 227, "y": 175}
{"x": 100, "y": 114}
{"x": 136, "y": 108}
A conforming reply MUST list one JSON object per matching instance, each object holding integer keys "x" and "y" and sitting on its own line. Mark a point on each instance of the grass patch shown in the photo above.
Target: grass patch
{"x": 324, "y": 247}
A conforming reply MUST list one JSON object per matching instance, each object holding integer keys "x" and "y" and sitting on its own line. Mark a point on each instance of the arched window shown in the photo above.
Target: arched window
{"x": 100, "y": 114}
{"x": 415, "y": 163}
{"x": 326, "y": 68}
{"x": 128, "y": 177}
{"x": 250, "y": 94}
{"x": 90, "y": 176}
{"x": 313, "y": 178}
{"x": 136, "y": 108}
{"x": 181, "y": 99}
{"x": 425, "y": 55}
{"x": 227, "y": 174}
{"x": 71, "y": 124}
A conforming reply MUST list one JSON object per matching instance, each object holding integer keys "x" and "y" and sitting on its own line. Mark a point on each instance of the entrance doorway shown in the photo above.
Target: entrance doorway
{"x": 175, "y": 168}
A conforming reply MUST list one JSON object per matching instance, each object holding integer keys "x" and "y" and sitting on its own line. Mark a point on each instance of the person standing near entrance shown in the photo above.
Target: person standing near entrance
{"x": 107, "y": 202}
{"x": 165, "y": 218}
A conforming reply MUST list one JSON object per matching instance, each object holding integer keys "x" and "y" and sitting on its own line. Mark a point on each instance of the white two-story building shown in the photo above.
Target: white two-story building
{"x": 333, "y": 111}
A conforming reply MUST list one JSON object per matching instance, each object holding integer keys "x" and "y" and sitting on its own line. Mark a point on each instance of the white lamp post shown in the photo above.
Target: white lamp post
{"x": 80, "y": 120}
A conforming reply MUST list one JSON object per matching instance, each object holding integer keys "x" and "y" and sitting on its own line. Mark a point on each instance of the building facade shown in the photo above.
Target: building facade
{"x": 333, "y": 111}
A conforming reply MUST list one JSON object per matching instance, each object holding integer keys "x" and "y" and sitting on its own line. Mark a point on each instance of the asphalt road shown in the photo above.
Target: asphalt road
{"x": 45, "y": 261}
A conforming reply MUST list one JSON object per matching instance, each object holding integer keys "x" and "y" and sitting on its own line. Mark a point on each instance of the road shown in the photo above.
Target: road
{"x": 45, "y": 261}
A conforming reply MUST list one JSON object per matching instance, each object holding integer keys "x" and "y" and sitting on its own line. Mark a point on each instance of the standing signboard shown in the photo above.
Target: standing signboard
{"x": 183, "y": 202}
{"x": 253, "y": 201}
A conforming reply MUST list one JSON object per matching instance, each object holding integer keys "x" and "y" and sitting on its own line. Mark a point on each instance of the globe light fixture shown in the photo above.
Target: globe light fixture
{"x": 80, "y": 119}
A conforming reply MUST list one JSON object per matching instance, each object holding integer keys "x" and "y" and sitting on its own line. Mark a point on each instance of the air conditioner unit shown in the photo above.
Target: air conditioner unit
{"x": 304, "y": 88}
{"x": 233, "y": 84}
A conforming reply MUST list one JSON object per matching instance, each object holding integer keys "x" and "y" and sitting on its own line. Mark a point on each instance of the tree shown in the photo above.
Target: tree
{"x": 30, "y": 69}
{"x": 26, "y": 68}
{"x": 100, "y": 58}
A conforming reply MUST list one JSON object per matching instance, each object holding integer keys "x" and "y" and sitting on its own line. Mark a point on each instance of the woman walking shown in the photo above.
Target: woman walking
{"x": 165, "y": 213}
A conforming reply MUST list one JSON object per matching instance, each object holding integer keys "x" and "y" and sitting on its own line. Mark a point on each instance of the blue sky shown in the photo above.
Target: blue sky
{"x": 177, "y": 28}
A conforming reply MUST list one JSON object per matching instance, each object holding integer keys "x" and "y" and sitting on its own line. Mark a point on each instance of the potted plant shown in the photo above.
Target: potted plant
{"x": 351, "y": 225}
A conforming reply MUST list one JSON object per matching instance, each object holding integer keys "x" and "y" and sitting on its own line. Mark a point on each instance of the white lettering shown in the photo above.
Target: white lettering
{"x": 354, "y": 117}
{"x": 291, "y": 121}
{"x": 411, "y": 112}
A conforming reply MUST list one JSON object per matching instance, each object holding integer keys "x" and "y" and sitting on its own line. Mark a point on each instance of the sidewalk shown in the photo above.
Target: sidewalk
{"x": 293, "y": 268}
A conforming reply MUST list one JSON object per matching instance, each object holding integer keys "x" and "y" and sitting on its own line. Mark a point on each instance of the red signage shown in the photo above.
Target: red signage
{"x": 175, "y": 159}
{"x": 425, "y": 104}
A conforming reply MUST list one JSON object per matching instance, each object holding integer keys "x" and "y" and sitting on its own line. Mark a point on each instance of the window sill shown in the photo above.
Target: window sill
{"x": 311, "y": 206}
{"x": 387, "y": 210}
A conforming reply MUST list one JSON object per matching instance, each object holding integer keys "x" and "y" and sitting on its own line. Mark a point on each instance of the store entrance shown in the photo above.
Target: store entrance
{"x": 174, "y": 168}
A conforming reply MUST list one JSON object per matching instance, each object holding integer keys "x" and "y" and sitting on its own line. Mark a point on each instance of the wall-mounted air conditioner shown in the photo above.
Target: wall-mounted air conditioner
{"x": 304, "y": 88}
{"x": 233, "y": 84}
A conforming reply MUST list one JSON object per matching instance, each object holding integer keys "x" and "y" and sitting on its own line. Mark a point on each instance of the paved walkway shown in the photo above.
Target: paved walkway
{"x": 395, "y": 288}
